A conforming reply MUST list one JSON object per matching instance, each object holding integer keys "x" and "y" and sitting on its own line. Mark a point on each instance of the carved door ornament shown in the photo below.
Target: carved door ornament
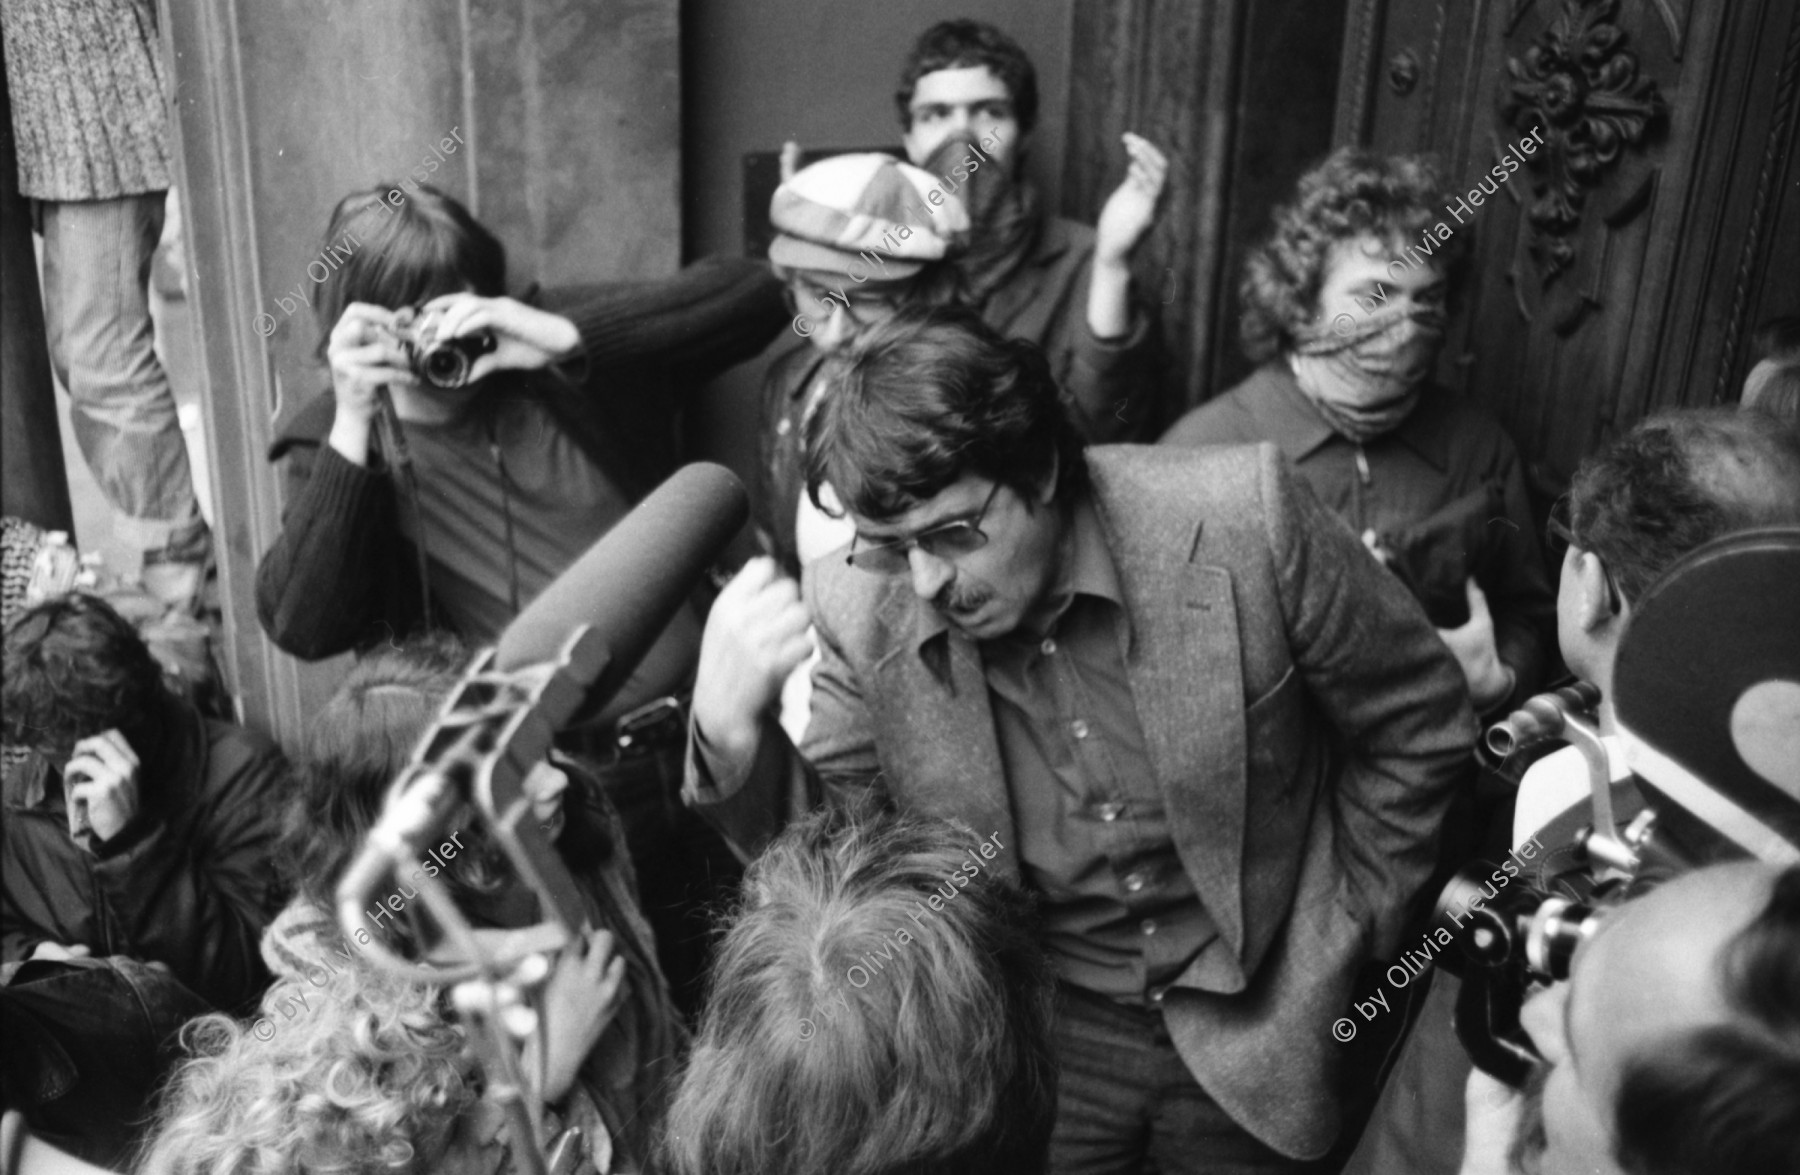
{"x": 1580, "y": 83}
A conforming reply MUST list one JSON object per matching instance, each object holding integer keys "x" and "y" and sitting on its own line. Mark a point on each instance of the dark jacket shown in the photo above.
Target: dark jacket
{"x": 1444, "y": 494}
{"x": 1305, "y": 725}
{"x": 341, "y": 577}
{"x": 190, "y": 882}
{"x": 1110, "y": 388}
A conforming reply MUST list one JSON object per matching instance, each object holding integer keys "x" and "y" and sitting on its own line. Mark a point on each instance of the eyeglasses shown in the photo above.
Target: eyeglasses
{"x": 950, "y": 540}
{"x": 817, "y": 301}
{"x": 1559, "y": 536}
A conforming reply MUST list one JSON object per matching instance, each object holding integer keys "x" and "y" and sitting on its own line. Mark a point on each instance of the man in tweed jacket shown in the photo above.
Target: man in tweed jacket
{"x": 1213, "y": 735}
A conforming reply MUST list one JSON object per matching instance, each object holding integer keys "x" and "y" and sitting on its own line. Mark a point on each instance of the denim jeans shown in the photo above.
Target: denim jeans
{"x": 1126, "y": 1101}
{"x": 97, "y": 257}
{"x": 685, "y": 871}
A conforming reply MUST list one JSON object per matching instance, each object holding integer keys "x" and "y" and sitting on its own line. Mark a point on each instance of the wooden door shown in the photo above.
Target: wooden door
{"x": 1621, "y": 269}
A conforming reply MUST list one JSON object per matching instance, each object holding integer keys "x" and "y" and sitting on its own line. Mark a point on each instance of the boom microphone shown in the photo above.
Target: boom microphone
{"x": 631, "y": 583}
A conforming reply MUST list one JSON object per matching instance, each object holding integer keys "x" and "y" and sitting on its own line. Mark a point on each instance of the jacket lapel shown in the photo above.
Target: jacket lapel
{"x": 1186, "y": 679}
{"x": 1186, "y": 672}
{"x": 937, "y": 741}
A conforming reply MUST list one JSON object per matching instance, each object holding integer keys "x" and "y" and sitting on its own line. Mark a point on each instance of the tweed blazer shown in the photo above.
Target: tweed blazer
{"x": 1305, "y": 723}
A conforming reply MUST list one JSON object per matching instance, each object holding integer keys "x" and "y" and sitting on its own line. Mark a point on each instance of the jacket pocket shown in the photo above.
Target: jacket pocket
{"x": 1275, "y": 732}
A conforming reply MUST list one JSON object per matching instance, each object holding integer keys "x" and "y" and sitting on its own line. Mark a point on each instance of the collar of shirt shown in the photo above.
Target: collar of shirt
{"x": 1086, "y": 569}
{"x": 1290, "y": 421}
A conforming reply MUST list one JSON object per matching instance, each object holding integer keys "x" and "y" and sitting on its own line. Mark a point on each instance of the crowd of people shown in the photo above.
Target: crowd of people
{"x": 1035, "y": 801}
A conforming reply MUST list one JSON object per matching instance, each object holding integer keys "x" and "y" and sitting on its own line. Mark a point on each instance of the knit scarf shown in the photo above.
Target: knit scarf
{"x": 1365, "y": 377}
{"x": 1003, "y": 214}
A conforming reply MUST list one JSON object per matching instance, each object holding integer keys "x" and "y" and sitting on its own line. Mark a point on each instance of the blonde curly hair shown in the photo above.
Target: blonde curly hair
{"x": 360, "y": 1075}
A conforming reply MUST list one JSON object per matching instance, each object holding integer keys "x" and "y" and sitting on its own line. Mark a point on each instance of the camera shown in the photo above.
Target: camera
{"x": 1706, "y": 709}
{"x": 439, "y": 363}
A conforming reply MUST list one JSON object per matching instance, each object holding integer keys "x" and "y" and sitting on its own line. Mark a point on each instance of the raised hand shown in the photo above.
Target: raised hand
{"x": 1131, "y": 210}
{"x": 755, "y": 636}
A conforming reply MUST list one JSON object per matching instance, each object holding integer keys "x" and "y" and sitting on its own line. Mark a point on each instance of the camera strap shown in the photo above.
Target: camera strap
{"x": 393, "y": 442}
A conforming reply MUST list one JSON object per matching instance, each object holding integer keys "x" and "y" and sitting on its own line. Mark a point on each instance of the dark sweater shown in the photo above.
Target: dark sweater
{"x": 342, "y": 577}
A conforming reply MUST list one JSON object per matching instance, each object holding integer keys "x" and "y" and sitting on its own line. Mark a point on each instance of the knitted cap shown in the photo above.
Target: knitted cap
{"x": 837, "y": 208}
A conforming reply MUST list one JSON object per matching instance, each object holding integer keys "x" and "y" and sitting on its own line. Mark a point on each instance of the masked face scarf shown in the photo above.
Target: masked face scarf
{"x": 1367, "y": 380}
{"x": 1003, "y": 215}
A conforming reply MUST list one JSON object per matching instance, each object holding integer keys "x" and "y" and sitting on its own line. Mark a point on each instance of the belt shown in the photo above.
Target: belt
{"x": 657, "y": 724}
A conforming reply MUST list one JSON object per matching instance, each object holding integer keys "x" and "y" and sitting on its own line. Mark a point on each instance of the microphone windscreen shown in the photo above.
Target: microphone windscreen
{"x": 629, "y": 585}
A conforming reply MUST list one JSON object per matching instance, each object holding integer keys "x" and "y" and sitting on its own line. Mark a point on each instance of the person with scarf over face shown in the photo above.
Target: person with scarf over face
{"x": 1349, "y": 326}
{"x": 1345, "y": 306}
{"x": 968, "y": 102}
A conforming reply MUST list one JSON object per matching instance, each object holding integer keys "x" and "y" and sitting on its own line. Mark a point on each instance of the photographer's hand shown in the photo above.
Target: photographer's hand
{"x": 364, "y": 353}
{"x": 103, "y": 774}
{"x": 525, "y": 337}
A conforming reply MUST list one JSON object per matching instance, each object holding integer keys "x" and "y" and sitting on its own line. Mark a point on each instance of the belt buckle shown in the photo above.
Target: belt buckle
{"x": 644, "y": 718}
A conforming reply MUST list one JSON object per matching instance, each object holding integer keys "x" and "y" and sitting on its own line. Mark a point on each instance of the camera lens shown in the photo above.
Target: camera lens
{"x": 445, "y": 366}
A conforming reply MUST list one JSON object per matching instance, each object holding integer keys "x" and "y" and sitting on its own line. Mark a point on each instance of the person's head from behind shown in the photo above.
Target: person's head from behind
{"x": 360, "y": 742}
{"x": 350, "y": 1071}
{"x": 1674, "y": 1048}
{"x": 1671, "y": 484}
{"x": 860, "y": 238}
{"x": 853, "y": 1029}
{"x": 75, "y": 668}
{"x": 966, "y": 80}
{"x": 949, "y": 447}
{"x": 1772, "y": 385}
{"x": 1341, "y": 289}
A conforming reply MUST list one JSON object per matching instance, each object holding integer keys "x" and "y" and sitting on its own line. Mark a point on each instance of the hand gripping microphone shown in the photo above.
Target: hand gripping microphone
{"x": 573, "y": 648}
{"x": 568, "y": 652}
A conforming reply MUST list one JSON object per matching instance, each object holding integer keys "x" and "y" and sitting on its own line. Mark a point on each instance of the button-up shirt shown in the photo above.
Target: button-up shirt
{"x": 1443, "y": 496}
{"x": 1122, "y": 915}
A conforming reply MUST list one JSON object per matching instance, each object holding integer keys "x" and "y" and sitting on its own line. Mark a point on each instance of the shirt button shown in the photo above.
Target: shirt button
{"x": 783, "y": 427}
{"x": 1148, "y": 926}
{"x": 1133, "y": 883}
{"x": 1157, "y": 994}
{"x": 1110, "y": 812}
{"x": 1079, "y": 728}
{"x": 1049, "y": 646}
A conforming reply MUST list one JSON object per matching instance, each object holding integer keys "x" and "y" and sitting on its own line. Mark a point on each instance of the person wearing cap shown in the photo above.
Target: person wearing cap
{"x": 967, "y": 102}
{"x": 858, "y": 238}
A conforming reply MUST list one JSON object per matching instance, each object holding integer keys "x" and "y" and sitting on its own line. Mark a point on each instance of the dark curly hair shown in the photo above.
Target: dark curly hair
{"x": 927, "y": 397}
{"x": 73, "y": 668}
{"x": 1353, "y": 193}
{"x": 1679, "y": 480}
{"x": 963, "y": 44}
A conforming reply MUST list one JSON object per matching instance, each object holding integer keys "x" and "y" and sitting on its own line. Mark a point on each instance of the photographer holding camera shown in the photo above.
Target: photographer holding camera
{"x": 1671, "y": 484}
{"x": 1672, "y": 1049}
{"x": 472, "y": 447}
